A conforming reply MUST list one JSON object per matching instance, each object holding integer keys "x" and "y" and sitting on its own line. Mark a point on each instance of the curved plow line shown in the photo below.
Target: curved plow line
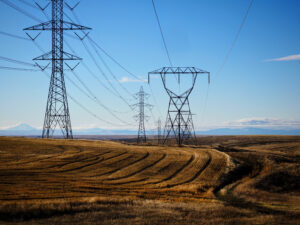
{"x": 90, "y": 164}
{"x": 217, "y": 163}
{"x": 196, "y": 174}
{"x": 115, "y": 170}
{"x": 37, "y": 160}
{"x": 132, "y": 163}
{"x": 116, "y": 158}
{"x": 139, "y": 171}
{"x": 87, "y": 159}
{"x": 71, "y": 162}
{"x": 176, "y": 172}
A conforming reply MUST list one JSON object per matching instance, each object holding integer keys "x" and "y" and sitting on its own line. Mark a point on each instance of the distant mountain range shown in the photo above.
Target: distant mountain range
{"x": 27, "y": 130}
{"x": 248, "y": 131}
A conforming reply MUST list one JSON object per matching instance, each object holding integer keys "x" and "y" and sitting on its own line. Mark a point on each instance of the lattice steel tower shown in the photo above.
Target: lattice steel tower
{"x": 141, "y": 117}
{"x": 179, "y": 123}
{"x": 57, "y": 110}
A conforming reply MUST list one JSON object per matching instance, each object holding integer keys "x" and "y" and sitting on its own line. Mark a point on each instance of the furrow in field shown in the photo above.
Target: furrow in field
{"x": 92, "y": 171}
{"x": 129, "y": 169}
{"x": 214, "y": 170}
{"x": 89, "y": 164}
{"x": 139, "y": 171}
{"x": 197, "y": 174}
{"x": 86, "y": 159}
{"x": 177, "y": 171}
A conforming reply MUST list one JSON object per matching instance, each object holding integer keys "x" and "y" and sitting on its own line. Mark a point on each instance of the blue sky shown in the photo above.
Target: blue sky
{"x": 256, "y": 84}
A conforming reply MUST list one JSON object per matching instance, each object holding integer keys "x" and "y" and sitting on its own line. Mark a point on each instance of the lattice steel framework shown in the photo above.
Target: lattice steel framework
{"x": 179, "y": 122}
{"x": 57, "y": 109}
{"x": 141, "y": 117}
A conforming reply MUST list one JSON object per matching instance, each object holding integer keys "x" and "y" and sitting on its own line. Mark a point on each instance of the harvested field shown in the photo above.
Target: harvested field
{"x": 246, "y": 179}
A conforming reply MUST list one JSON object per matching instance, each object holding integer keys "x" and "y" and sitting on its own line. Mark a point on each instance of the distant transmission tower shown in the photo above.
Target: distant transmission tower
{"x": 179, "y": 123}
{"x": 57, "y": 110}
{"x": 141, "y": 96}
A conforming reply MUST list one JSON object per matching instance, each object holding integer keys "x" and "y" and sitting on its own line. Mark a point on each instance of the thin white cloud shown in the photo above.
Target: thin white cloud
{"x": 264, "y": 122}
{"x": 129, "y": 80}
{"x": 285, "y": 58}
{"x": 253, "y": 122}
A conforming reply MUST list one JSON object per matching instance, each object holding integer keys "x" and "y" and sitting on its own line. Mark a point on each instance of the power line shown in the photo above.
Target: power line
{"x": 105, "y": 52}
{"x": 14, "y": 36}
{"x": 96, "y": 77}
{"x": 101, "y": 71}
{"x": 235, "y": 39}
{"x": 21, "y": 10}
{"x": 162, "y": 34}
{"x": 18, "y": 69}
{"x": 83, "y": 107}
{"x": 92, "y": 43}
{"x": 28, "y": 4}
{"x": 109, "y": 70}
{"x": 97, "y": 100}
{"x": 227, "y": 55}
{"x": 126, "y": 70}
{"x": 113, "y": 59}
{"x": 16, "y": 61}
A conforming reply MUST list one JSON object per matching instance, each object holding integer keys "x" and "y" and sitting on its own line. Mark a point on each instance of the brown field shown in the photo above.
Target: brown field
{"x": 222, "y": 180}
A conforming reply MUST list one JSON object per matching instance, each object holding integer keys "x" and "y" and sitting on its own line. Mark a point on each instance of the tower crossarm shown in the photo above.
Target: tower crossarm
{"x": 65, "y": 56}
{"x": 65, "y": 26}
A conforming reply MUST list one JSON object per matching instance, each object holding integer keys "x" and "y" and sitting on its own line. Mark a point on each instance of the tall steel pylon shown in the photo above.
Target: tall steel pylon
{"x": 179, "y": 123}
{"x": 57, "y": 109}
{"x": 141, "y": 96}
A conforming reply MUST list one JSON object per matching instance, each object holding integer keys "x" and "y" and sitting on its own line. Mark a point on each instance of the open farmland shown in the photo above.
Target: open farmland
{"x": 223, "y": 180}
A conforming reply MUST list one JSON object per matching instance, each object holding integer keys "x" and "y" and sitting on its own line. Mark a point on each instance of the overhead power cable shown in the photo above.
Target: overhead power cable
{"x": 235, "y": 39}
{"x": 100, "y": 57}
{"x": 114, "y": 60}
{"x": 227, "y": 55}
{"x": 14, "y": 36}
{"x": 18, "y": 69}
{"x": 162, "y": 34}
{"x": 96, "y": 77}
{"x": 98, "y": 101}
{"x": 16, "y": 61}
{"x": 101, "y": 71}
{"x": 20, "y": 10}
{"x": 109, "y": 70}
{"x": 85, "y": 108}
{"x": 101, "y": 49}
{"x": 28, "y": 4}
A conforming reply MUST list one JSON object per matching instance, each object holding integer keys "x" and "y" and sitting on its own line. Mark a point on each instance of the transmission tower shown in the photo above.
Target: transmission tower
{"x": 57, "y": 109}
{"x": 179, "y": 123}
{"x": 141, "y": 96}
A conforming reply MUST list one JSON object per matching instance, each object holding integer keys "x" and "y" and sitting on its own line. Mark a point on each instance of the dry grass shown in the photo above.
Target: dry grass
{"x": 225, "y": 180}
